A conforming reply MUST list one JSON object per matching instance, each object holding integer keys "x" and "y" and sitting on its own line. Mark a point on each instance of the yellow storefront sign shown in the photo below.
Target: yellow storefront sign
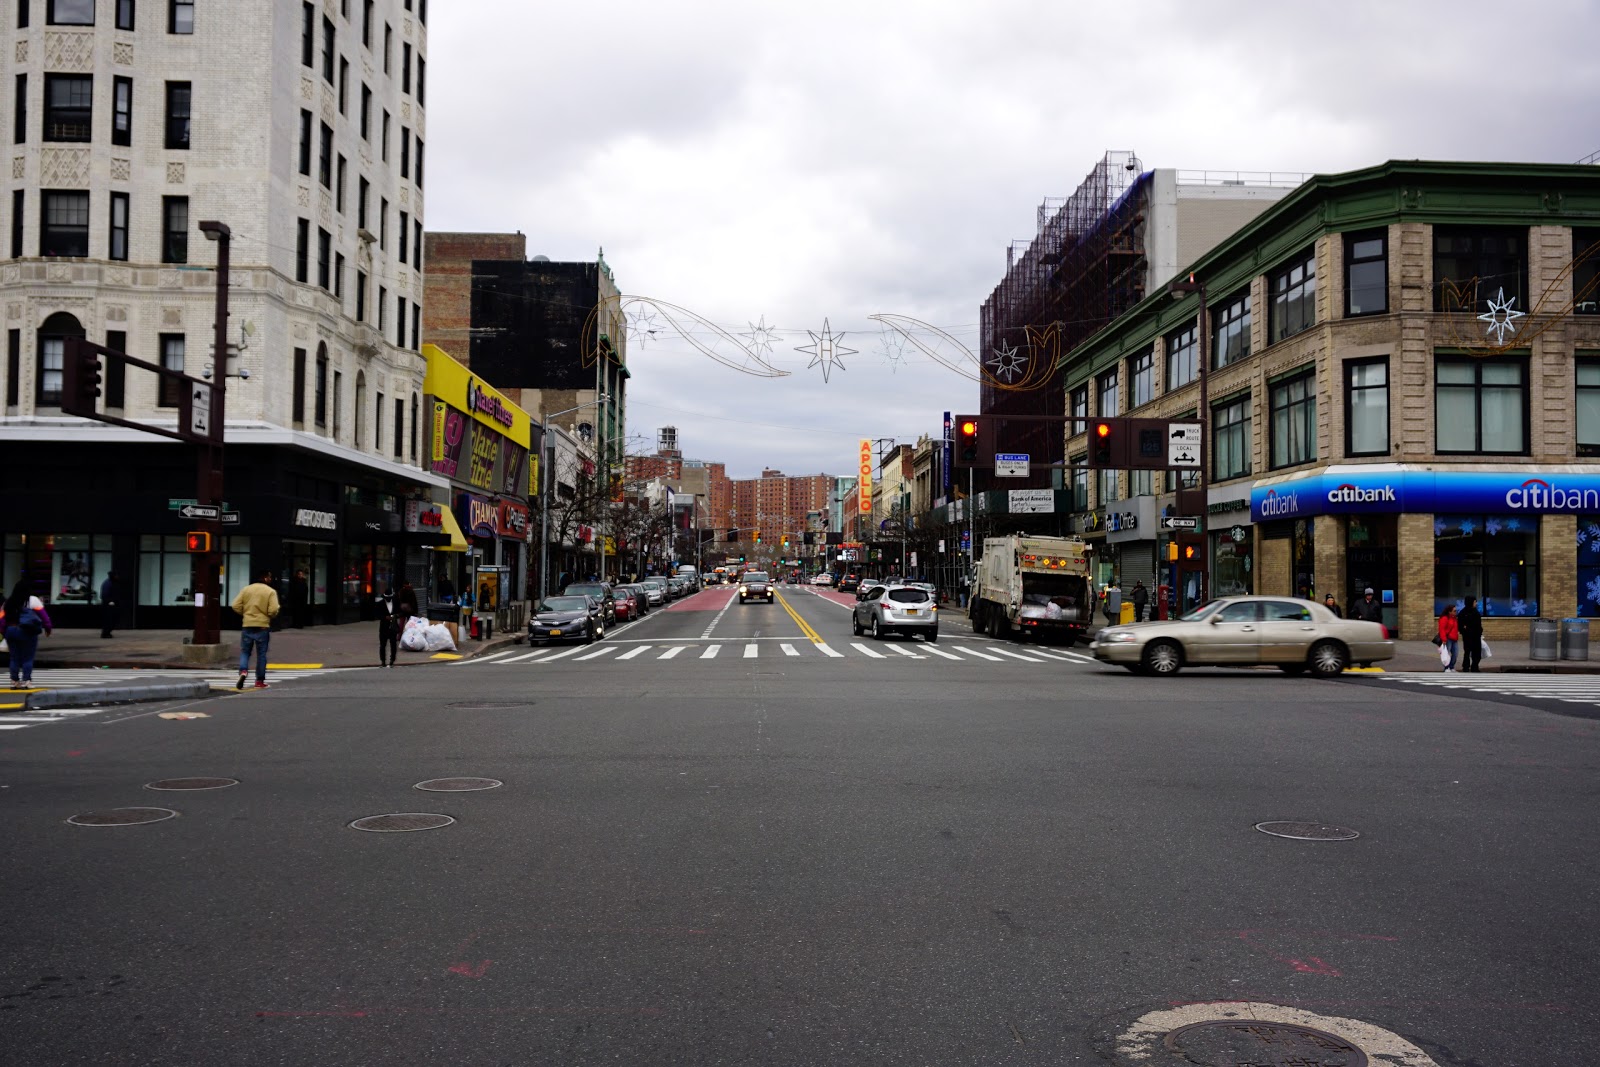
{"x": 456, "y": 385}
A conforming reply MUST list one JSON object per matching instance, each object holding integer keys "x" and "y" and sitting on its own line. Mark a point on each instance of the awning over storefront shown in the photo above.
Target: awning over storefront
{"x": 458, "y": 540}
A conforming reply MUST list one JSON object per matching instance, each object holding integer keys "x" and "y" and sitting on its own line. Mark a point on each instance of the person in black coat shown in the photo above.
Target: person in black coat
{"x": 1141, "y": 600}
{"x": 1367, "y": 609}
{"x": 1332, "y": 605}
{"x": 1470, "y": 623}
{"x": 108, "y": 604}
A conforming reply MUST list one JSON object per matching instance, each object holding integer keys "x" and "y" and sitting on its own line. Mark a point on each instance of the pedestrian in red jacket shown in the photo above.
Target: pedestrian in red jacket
{"x": 1450, "y": 636}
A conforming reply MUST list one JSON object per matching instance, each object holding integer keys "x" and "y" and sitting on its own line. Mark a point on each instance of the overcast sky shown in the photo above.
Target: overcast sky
{"x": 827, "y": 161}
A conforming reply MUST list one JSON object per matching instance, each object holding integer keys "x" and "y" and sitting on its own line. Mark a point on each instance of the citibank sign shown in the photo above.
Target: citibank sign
{"x": 1427, "y": 492}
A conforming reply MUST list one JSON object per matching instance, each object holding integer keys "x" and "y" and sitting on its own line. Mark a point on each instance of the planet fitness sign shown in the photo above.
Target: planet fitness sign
{"x": 1497, "y": 493}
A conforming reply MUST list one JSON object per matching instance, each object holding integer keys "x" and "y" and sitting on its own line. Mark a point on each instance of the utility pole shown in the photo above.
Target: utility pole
{"x": 208, "y": 489}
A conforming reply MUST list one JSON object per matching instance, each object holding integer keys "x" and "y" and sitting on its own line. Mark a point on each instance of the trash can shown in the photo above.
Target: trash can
{"x": 1542, "y": 637}
{"x": 1574, "y": 638}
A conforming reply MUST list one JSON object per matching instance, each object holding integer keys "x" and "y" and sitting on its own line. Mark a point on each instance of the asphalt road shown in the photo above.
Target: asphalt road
{"x": 791, "y": 857}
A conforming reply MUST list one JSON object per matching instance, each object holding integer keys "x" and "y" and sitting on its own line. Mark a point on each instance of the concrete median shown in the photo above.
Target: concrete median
{"x": 117, "y": 694}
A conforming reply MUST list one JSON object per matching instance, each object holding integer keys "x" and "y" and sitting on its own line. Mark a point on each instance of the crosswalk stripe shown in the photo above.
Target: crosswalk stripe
{"x": 979, "y": 655}
{"x": 941, "y": 652}
{"x": 788, "y": 650}
{"x": 671, "y": 652}
{"x": 526, "y": 656}
{"x": 563, "y": 654}
{"x": 632, "y": 652}
{"x": 904, "y": 651}
{"x": 865, "y": 651}
{"x": 826, "y": 651}
{"x": 752, "y": 651}
{"x": 1015, "y": 655}
{"x": 711, "y": 652}
{"x": 15, "y": 725}
{"x": 603, "y": 650}
{"x": 483, "y": 659}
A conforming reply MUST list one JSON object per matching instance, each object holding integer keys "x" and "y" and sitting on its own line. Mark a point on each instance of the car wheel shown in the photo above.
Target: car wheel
{"x": 1162, "y": 657}
{"x": 1328, "y": 659}
{"x": 994, "y": 625}
{"x": 933, "y": 636}
{"x": 977, "y": 622}
{"x": 877, "y": 634}
{"x": 1292, "y": 668}
{"x": 855, "y": 624}
{"x": 588, "y": 635}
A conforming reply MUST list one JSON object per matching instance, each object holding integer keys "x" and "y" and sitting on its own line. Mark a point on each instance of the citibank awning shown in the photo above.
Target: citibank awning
{"x": 458, "y": 540}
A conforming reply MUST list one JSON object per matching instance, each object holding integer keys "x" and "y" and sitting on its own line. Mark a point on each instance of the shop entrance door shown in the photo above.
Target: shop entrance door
{"x": 1372, "y": 561}
{"x": 313, "y": 561}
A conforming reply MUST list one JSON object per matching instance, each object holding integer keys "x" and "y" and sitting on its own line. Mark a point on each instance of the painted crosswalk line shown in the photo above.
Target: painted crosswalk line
{"x": 865, "y": 651}
{"x": 979, "y": 655}
{"x": 1568, "y": 689}
{"x": 632, "y": 652}
{"x": 672, "y": 652}
{"x": 767, "y": 647}
{"x": 711, "y": 652}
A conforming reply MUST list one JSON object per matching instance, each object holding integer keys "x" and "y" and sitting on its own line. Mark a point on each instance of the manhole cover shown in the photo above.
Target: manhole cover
{"x": 490, "y": 705}
{"x": 192, "y": 783}
{"x": 401, "y": 822}
{"x": 458, "y": 785}
{"x": 1307, "y": 831}
{"x": 1258, "y": 1043}
{"x": 122, "y": 817}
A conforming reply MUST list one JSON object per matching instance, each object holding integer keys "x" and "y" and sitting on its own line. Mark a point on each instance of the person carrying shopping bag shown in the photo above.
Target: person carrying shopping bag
{"x": 1449, "y": 639}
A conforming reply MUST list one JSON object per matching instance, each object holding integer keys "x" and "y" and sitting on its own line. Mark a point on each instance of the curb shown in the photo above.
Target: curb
{"x": 115, "y": 694}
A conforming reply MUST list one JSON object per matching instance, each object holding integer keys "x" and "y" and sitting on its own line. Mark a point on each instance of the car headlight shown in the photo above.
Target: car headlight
{"x": 744, "y": 589}
{"x": 1118, "y": 636}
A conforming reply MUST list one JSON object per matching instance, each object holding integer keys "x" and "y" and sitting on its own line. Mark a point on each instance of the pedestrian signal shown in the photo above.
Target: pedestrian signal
{"x": 198, "y": 541}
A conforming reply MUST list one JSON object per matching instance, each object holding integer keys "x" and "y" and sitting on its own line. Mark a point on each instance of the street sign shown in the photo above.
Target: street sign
{"x": 176, "y": 502}
{"x": 200, "y": 511}
{"x": 1180, "y": 522}
{"x": 232, "y": 518}
{"x": 200, "y": 411}
{"x": 1011, "y": 464}
{"x": 1183, "y": 444}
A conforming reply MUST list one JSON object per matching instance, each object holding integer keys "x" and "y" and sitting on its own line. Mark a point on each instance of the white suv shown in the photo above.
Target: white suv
{"x": 897, "y": 608}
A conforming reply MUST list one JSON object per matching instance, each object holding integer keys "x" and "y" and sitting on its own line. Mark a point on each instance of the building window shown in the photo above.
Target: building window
{"x": 324, "y": 253}
{"x": 19, "y": 110}
{"x": 1366, "y": 273}
{"x": 388, "y": 45}
{"x": 308, "y": 35}
{"x": 422, "y": 81}
{"x": 52, "y": 342}
{"x": 1141, "y": 379}
{"x": 172, "y": 352}
{"x": 400, "y": 322}
{"x": 1472, "y": 266}
{"x": 325, "y": 157}
{"x": 1366, "y": 407}
{"x": 361, "y": 296}
{"x": 14, "y": 368}
{"x": 366, "y": 23}
{"x": 366, "y": 113}
{"x": 124, "y": 14}
{"x": 180, "y": 16}
{"x": 1492, "y": 557}
{"x": 416, "y": 325}
{"x": 117, "y": 246}
{"x": 405, "y": 67}
{"x": 1181, "y": 361}
{"x": 1141, "y": 483}
{"x": 1588, "y": 565}
{"x": 297, "y": 402}
{"x": 1080, "y": 406}
{"x": 320, "y": 398}
{"x": 116, "y": 371}
{"x": 416, "y": 244}
{"x": 1587, "y": 406}
{"x": 122, "y": 111}
{"x": 17, "y": 204}
{"x": 328, "y": 52}
{"x": 405, "y": 235}
{"x": 377, "y": 423}
{"x": 1480, "y": 405}
{"x": 1585, "y": 271}
{"x": 22, "y": 14}
{"x": 69, "y": 12}
{"x": 305, "y": 142}
{"x": 1294, "y": 419}
{"x": 383, "y": 308}
{"x": 1106, "y": 394}
{"x": 68, "y": 107}
{"x": 302, "y": 250}
{"x": 338, "y": 277}
{"x": 338, "y": 185}
{"x": 417, "y": 174}
{"x": 1105, "y": 487}
{"x": 338, "y": 401}
{"x": 1230, "y": 438}
{"x": 64, "y": 224}
{"x": 1230, "y": 331}
{"x": 399, "y": 427}
{"x": 383, "y": 140}
{"x": 413, "y": 436}
{"x": 344, "y": 85}
{"x": 1294, "y": 296}
{"x": 361, "y": 202}
{"x": 383, "y": 223}
{"x": 178, "y": 105}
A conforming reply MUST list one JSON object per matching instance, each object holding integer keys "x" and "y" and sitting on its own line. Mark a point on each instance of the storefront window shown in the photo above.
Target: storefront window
{"x": 77, "y": 563}
{"x": 1304, "y": 560}
{"x": 1492, "y": 557}
{"x": 1232, "y": 565}
{"x": 1589, "y": 566}
{"x": 236, "y": 568}
{"x": 165, "y": 569}
{"x": 368, "y": 571}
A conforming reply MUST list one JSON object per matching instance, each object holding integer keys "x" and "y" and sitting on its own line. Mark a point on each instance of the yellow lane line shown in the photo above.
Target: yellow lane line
{"x": 805, "y": 627}
{"x": 294, "y": 666}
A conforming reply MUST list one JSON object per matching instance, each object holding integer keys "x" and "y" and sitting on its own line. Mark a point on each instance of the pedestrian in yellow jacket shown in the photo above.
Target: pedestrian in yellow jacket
{"x": 258, "y": 604}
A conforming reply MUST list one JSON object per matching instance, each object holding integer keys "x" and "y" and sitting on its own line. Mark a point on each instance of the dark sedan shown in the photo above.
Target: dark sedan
{"x": 567, "y": 618}
{"x": 600, "y": 591}
{"x": 755, "y": 585}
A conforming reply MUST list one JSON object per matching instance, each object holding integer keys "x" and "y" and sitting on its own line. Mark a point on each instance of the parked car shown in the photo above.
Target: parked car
{"x": 1247, "y": 631}
{"x": 848, "y": 583}
{"x": 567, "y": 618}
{"x": 823, "y": 579}
{"x": 865, "y": 586}
{"x": 627, "y": 604}
{"x": 655, "y": 591}
{"x": 756, "y": 585}
{"x": 641, "y": 598}
{"x": 714, "y": 578}
{"x": 601, "y": 591}
{"x": 676, "y": 587}
{"x": 896, "y": 608}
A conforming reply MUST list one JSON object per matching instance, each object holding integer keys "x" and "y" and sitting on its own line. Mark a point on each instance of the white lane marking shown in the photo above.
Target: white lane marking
{"x": 528, "y": 655}
{"x": 751, "y": 651}
{"x": 788, "y": 650}
{"x": 940, "y": 652}
{"x": 603, "y": 650}
{"x": 826, "y": 651}
{"x": 18, "y": 725}
{"x": 1078, "y": 656}
{"x": 713, "y": 624}
{"x": 711, "y": 652}
{"x": 571, "y": 651}
{"x": 865, "y": 651}
{"x": 632, "y": 652}
{"x": 904, "y": 651}
{"x": 1015, "y": 655}
{"x": 673, "y": 651}
{"x": 980, "y": 655}
{"x": 484, "y": 659}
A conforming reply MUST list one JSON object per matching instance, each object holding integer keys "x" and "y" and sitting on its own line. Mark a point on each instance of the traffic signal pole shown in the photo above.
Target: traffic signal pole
{"x": 208, "y": 487}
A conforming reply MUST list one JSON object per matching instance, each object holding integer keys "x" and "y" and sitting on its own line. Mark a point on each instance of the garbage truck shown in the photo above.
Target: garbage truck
{"x": 1039, "y": 587}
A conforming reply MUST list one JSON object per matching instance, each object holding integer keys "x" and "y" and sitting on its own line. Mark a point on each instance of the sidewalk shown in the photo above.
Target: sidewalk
{"x": 351, "y": 645}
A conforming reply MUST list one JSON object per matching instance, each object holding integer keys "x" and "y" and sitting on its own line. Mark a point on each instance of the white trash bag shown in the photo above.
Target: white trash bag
{"x": 414, "y": 638}
{"x": 1444, "y": 655}
{"x": 437, "y": 638}
{"x": 1483, "y": 644}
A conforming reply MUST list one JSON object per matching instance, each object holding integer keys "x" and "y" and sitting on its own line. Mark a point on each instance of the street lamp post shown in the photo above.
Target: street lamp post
{"x": 1179, "y": 290}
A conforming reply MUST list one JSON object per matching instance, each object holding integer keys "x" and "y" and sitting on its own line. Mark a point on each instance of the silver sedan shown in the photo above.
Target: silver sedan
{"x": 1247, "y": 631}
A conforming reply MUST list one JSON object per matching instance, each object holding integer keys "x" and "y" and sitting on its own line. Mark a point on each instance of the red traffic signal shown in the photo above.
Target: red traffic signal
{"x": 967, "y": 450}
{"x": 80, "y": 381}
{"x": 1103, "y": 438}
{"x": 198, "y": 541}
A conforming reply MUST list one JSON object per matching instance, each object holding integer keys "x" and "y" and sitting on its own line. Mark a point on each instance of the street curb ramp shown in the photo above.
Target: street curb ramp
{"x": 116, "y": 694}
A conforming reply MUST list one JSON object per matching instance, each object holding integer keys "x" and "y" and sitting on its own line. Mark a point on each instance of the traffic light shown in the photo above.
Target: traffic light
{"x": 198, "y": 541}
{"x": 785, "y": 542}
{"x": 758, "y": 537}
{"x": 1191, "y": 551}
{"x": 80, "y": 382}
{"x": 967, "y": 442}
{"x": 1102, "y": 444}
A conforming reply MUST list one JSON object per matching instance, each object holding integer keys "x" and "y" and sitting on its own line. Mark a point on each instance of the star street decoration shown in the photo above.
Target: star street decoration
{"x": 642, "y": 328}
{"x": 825, "y": 349}
{"x": 1501, "y": 317}
{"x": 1007, "y": 363}
{"x": 761, "y": 337}
{"x": 894, "y": 349}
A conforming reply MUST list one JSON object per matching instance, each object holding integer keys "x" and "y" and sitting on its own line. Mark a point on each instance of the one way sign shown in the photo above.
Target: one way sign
{"x": 200, "y": 511}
